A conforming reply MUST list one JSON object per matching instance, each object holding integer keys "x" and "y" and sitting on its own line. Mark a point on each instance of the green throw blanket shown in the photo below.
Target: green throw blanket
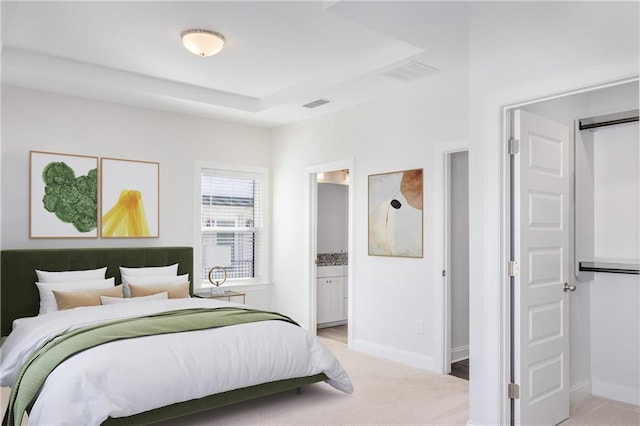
{"x": 44, "y": 360}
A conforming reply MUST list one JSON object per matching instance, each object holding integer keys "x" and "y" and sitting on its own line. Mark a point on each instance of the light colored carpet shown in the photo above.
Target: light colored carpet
{"x": 594, "y": 410}
{"x": 386, "y": 393}
{"x": 339, "y": 333}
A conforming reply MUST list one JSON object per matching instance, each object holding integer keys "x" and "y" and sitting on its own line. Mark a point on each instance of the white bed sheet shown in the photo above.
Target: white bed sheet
{"x": 131, "y": 376}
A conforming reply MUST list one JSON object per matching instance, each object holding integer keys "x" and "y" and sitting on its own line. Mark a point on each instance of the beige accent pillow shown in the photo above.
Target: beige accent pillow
{"x": 176, "y": 291}
{"x": 48, "y": 301}
{"x": 75, "y": 299}
{"x": 151, "y": 280}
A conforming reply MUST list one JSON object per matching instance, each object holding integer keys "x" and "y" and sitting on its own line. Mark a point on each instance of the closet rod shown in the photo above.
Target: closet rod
{"x": 610, "y": 267}
{"x": 610, "y": 270}
{"x": 609, "y": 119}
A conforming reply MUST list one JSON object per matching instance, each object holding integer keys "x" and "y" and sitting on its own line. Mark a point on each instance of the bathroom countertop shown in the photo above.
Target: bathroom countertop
{"x": 331, "y": 259}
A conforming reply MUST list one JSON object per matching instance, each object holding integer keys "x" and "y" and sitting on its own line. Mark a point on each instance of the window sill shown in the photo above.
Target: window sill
{"x": 242, "y": 287}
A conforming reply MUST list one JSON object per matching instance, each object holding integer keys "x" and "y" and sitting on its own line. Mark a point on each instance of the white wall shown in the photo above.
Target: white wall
{"x": 1, "y": 246}
{"x": 518, "y": 52}
{"x": 616, "y": 191}
{"x": 615, "y": 299}
{"x": 390, "y": 294}
{"x": 35, "y": 120}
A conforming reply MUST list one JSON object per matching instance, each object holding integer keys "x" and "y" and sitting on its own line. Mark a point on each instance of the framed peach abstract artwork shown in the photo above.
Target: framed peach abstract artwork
{"x": 395, "y": 214}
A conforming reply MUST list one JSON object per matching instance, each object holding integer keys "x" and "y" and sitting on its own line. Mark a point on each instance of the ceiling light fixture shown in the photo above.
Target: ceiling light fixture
{"x": 202, "y": 42}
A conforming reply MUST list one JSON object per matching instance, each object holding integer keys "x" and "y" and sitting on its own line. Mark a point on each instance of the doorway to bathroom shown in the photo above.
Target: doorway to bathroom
{"x": 332, "y": 230}
{"x": 333, "y": 254}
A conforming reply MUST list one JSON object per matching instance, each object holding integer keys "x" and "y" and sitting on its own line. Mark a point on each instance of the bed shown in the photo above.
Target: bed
{"x": 154, "y": 377}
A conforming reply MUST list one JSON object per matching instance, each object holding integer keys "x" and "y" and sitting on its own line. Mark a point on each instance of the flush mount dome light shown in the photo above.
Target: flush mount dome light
{"x": 202, "y": 42}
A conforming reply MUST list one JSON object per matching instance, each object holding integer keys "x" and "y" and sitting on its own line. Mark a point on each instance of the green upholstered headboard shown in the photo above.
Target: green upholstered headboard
{"x": 19, "y": 294}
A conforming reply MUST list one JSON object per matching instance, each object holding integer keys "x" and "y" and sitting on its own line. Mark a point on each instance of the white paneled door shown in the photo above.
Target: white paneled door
{"x": 541, "y": 191}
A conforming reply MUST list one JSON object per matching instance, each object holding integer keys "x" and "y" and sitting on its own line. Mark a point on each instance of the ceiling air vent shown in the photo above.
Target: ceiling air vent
{"x": 316, "y": 103}
{"x": 409, "y": 71}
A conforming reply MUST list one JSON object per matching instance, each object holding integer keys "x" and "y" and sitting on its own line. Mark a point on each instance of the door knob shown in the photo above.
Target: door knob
{"x": 568, "y": 287}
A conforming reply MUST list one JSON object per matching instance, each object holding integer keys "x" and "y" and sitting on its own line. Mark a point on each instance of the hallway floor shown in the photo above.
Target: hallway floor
{"x": 338, "y": 333}
{"x": 460, "y": 369}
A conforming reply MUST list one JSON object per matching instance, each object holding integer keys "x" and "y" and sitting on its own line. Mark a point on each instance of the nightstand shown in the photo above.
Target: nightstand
{"x": 228, "y": 294}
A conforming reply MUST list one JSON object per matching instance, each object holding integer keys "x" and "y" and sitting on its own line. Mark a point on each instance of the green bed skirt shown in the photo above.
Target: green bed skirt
{"x": 214, "y": 401}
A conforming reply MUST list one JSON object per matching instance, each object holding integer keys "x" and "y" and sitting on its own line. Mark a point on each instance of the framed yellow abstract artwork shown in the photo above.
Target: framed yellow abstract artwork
{"x": 130, "y": 198}
{"x": 63, "y": 194}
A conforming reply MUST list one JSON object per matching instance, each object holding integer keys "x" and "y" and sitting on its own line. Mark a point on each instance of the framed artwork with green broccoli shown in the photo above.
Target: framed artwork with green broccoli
{"x": 63, "y": 195}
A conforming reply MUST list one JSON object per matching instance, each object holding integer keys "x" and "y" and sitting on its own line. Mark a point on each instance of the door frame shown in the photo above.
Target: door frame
{"x": 442, "y": 159}
{"x": 507, "y": 406}
{"x": 311, "y": 225}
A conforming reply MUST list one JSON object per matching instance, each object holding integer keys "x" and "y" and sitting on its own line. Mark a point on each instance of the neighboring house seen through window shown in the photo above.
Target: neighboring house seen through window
{"x": 232, "y": 213}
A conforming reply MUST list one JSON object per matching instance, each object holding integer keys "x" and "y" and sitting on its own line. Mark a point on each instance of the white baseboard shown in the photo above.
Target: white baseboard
{"x": 616, "y": 392}
{"x": 412, "y": 359}
{"x": 459, "y": 353}
{"x": 332, "y": 324}
{"x": 579, "y": 391}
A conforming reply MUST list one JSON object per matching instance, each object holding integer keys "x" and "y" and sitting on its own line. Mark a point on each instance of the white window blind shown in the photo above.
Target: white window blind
{"x": 232, "y": 215}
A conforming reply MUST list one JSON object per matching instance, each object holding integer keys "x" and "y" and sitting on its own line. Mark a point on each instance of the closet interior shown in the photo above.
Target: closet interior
{"x": 604, "y": 309}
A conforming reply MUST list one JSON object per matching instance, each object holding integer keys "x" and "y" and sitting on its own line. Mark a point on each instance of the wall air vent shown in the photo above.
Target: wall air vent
{"x": 409, "y": 71}
{"x": 316, "y": 103}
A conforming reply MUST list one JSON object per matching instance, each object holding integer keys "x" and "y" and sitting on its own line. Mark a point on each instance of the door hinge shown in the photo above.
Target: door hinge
{"x": 513, "y": 268}
{"x": 444, "y": 273}
{"x": 514, "y": 146}
{"x": 514, "y": 391}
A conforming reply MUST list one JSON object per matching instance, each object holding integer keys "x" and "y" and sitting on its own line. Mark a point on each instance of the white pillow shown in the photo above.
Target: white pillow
{"x": 48, "y": 300}
{"x": 67, "y": 276}
{"x": 150, "y": 270}
{"x": 108, "y": 300}
{"x": 151, "y": 280}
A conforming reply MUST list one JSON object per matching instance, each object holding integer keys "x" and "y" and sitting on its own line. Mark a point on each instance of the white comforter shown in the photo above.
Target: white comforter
{"x": 131, "y": 376}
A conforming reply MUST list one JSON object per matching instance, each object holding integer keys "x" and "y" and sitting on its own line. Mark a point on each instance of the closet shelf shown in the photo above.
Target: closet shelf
{"x": 614, "y": 266}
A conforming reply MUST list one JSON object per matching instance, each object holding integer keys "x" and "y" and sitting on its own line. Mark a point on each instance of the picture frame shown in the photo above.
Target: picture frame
{"x": 395, "y": 208}
{"x": 130, "y": 198}
{"x": 63, "y": 195}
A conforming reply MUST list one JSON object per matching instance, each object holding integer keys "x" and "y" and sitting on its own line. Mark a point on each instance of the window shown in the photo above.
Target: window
{"x": 232, "y": 212}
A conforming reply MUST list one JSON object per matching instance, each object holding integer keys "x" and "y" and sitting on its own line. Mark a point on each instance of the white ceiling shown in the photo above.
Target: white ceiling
{"x": 277, "y": 57}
